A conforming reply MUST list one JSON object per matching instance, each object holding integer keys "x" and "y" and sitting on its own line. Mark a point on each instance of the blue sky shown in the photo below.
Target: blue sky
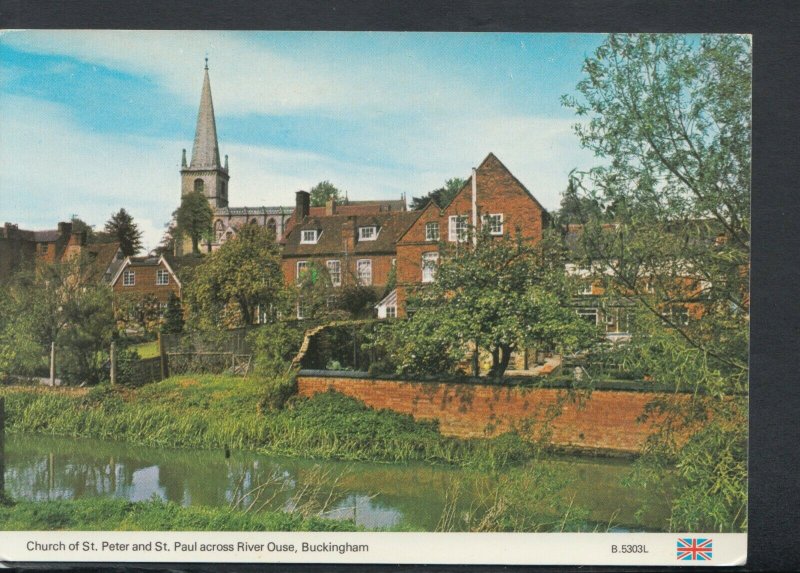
{"x": 91, "y": 121}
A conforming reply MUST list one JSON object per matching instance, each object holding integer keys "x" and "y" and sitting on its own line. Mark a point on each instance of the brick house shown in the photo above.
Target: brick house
{"x": 356, "y": 242}
{"x": 22, "y": 249}
{"x": 497, "y": 199}
{"x": 143, "y": 277}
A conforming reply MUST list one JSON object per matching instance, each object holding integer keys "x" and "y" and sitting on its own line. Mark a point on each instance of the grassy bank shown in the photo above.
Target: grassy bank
{"x": 221, "y": 411}
{"x": 108, "y": 514}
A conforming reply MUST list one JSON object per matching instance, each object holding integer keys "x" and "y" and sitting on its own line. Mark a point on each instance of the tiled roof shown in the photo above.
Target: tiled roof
{"x": 228, "y": 211}
{"x": 46, "y": 236}
{"x": 103, "y": 259}
{"x": 331, "y": 239}
{"x": 363, "y": 207}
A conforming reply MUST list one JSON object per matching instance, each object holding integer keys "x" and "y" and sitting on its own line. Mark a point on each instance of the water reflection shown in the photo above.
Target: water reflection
{"x": 411, "y": 496}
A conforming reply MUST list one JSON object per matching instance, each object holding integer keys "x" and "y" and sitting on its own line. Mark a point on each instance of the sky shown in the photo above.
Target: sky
{"x": 92, "y": 121}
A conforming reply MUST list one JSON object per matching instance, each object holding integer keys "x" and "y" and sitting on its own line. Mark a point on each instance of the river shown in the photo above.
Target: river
{"x": 377, "y": 495}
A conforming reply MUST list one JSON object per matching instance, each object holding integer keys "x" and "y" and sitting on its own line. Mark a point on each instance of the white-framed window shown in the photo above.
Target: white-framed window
{"x": 302, "y": 266}
{"x": 302, "y": 309}
{"x": 459, "y": 227}
{"x": 335, "y": 272}
{"x": 162, "y": 277}
{"x": 391, "y": 312}
{"x": 129, "y": 278}
{"x": 364, "y": 271}
{"x": 494, "y": 222}
{"x": 44, "y": 247}
{"x": 368, "y": 233}
{"x": 589, "y": 315}
{"x": 432, "y": 231}
{"x": 616, "y": 320}
{"x": 429, "y": 262}
{"x": 586, "y": 289}
{"x": 309, "y": 236}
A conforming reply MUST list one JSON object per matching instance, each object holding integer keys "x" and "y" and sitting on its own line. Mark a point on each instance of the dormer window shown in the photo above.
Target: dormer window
{"x": 309, "y": 236}
{"x": 368, "y": 233}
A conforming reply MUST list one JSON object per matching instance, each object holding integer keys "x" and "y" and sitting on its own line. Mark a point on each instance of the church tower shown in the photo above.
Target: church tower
{"x": 205, "y": 172}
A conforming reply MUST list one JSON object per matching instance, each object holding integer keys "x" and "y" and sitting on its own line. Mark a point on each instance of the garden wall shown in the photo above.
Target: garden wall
{"x": 604, "y": 421}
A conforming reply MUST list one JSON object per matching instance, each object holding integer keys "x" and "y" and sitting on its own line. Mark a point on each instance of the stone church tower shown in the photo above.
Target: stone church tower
{"x": 205, "y": 172}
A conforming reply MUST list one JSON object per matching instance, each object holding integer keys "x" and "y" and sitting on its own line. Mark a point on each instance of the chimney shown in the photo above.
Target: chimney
{"x": 302, "y": 205}
{"x": 64, "y": 228}
{"x": 330, "y": 206}
{"x": 77, "y": 238}
{"x": 349, "y": 232}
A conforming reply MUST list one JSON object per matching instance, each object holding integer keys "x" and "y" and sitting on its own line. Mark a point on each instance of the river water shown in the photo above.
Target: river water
{"x": 377, "y": 495}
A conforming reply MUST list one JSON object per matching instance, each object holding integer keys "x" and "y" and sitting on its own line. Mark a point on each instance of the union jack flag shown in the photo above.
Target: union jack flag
{"x": 691, "y": 549}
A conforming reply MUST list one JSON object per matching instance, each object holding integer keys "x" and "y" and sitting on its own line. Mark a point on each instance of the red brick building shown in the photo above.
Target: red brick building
{"x": 491, "y": 197}
{"x": 143, "y": 277}
{"x": 356, "y": 243}
{"x": 22, "y": 249}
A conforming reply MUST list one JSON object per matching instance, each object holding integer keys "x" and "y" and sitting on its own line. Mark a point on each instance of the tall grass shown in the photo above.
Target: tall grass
{"x": 110, "y": 514}
{"x": 220, "y": 411}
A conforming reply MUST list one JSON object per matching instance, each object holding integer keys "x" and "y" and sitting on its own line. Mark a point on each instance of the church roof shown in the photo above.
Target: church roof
{"x": 233, "y": 211}
{"x": 205, "y": 153}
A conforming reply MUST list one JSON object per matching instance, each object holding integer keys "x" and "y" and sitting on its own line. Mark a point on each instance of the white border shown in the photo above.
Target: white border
{"x": 424, "y": 548}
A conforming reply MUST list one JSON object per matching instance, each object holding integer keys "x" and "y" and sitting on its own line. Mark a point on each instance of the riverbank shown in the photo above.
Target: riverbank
{"x": 222, "y": 412}
{"x": 110, "y": 514}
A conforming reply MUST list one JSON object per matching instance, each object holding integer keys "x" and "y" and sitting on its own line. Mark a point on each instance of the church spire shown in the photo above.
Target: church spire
{"x": 205, "y": 153}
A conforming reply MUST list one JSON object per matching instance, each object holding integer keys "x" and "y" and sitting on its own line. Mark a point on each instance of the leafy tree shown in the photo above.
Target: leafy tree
{"x": 123, "y": 229}
{"x": 499, "y": 295}
{"x": 79, "y": 225}
{"x": 141, "y": 313}
{"x": 173, "y": 316}
{"x": 443, "y": 195}
{"x": 58, "y": 303}
{"x": 193, "y": 218}
{"x": 323, "y": 191}
{"x": 243, "y": 277}
{"x": 167, "y": 244}
{"x": 670, "y": 117}
{"x": 577, "y": 208}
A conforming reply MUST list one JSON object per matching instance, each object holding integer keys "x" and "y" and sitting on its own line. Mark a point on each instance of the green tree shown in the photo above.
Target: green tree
{"x": 500, "y": 295}
{"x": 193, "y": 218}
{"x": 577, "y": 208}
{"x": 243, "y": 276}
{"x": 442, "y": 196}
{"x": 122, "y": 228}
{"x": 323, "y": 191}
{"x": 63, "y": 304}
{"x": 670, "y": 118}
{"x": 173, "y": 316}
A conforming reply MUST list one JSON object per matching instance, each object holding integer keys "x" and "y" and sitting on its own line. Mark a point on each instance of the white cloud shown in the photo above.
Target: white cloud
{"x": 257, "y": 78}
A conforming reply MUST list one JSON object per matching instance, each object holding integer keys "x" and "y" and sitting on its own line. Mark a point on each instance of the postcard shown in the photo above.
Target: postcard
{"x": 356, "y": 297}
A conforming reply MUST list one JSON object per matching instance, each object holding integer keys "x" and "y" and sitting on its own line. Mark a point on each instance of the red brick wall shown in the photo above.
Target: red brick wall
{"x": 146, "y": 284}
{"x": 381, "y": 266}
{"x": 606, "y": 421}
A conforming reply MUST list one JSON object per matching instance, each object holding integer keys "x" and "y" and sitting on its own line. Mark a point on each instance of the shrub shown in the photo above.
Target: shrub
{"x": 274, "y": 346}
{"x": 277, "y": 391}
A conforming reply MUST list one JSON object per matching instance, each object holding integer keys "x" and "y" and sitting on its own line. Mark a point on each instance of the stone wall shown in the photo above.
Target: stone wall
{"x": 603, "y": 421}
